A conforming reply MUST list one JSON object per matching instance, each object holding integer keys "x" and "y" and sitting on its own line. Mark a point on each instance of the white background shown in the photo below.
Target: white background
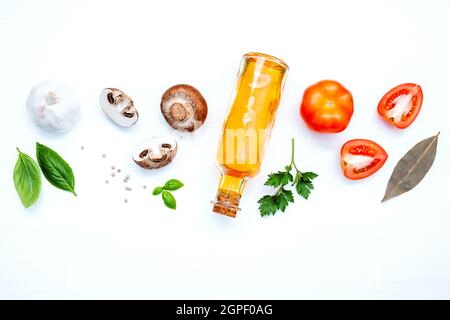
{"x": 341, "y": 243}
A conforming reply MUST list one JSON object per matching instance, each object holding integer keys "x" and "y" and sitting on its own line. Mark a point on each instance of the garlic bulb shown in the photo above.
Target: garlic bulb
{"x": 53, "y": 106}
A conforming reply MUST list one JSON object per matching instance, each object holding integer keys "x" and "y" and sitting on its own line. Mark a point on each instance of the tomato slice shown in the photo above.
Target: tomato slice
{"x": 401, "y": 105}
{"x": 361, "y": 158}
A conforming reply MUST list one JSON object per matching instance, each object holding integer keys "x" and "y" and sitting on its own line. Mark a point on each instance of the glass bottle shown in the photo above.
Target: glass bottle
{"x": 248, "y": 125}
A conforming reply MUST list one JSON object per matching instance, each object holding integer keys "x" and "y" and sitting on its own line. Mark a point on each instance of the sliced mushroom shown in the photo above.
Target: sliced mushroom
{"x": 184, "y": 107}
{"x": 118, "y": 107}
{"x": 155, "y": 153}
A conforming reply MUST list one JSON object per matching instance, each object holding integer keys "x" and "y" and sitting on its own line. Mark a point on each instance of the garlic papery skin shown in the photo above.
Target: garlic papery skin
{"x": 54, "y": 106}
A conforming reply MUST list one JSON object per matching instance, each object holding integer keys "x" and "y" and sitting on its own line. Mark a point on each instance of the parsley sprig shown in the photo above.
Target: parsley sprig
{"x": 303, "y": 182}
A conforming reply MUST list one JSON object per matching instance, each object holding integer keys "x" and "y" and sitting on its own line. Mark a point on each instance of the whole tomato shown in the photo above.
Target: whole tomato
{"x": 327, "y": 107}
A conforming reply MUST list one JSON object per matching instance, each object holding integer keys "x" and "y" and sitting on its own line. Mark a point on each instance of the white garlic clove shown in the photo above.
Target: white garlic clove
{"x": 54, "y": 106}
{"x": 155, "y": 153}
{"x": 119, "y": 107}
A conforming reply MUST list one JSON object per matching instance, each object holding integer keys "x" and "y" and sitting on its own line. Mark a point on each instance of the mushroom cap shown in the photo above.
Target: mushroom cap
{"x": 119, "y": 107}
{"x": 184, "y": 107}
{"x": 155, "y": 153}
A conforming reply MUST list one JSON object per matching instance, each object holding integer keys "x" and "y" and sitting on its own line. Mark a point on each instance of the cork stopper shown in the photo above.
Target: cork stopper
{"x": 227, "y": 203}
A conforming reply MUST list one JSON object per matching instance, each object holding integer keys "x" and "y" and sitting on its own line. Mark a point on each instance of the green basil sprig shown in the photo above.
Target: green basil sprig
{"x": 27, "y": 179}
{"x": 167, "y": 196}
{"x": 55, "y": 169}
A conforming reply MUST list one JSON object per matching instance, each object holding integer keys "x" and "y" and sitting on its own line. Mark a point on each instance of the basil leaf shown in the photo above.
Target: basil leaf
{"x": 173, "y": 184}
{"x": 157, "y": 190}
{"x": 27, "y": 179}
{"x": 169, "y": 200}
{"x": 55, "y": 169}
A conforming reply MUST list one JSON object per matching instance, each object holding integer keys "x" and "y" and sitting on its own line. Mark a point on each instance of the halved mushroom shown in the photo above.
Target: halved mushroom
{"x": 155, "y": 153}
{"x": 118, "y": 107}
{"x": 184, "y": 107}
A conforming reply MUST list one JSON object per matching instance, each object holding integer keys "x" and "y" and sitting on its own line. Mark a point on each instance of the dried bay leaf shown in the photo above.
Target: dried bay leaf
{"x": 412, "y": 168}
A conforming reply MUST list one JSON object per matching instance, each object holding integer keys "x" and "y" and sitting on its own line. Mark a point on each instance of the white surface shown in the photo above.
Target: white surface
{"x": 342, "y": 243}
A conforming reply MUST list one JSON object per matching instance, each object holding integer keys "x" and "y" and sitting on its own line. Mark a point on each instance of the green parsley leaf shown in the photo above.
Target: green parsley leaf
{"x": 281, "y": 178}
{"x": 304, "y": 185}
{"x": 268, "y": 205}
{"x": 309, "y": 175}
{"x": 283, "y": 199}
{"x": 303, "y": 190}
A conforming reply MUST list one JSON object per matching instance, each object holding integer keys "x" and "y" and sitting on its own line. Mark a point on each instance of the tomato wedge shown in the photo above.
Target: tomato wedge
{"x": 401, "y": 105}
{"x": 361, "y": 158}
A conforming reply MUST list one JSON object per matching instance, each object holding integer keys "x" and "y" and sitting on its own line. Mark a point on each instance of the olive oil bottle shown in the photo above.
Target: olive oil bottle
{"x": 247, "y": 127}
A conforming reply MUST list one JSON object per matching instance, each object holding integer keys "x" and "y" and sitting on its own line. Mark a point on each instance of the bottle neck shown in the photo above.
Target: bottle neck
{"x": 232, "y": 183}
{"x": 229, "y": 195}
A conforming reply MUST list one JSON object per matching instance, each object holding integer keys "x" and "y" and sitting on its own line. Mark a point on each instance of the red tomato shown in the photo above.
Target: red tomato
{"x": 361, "y": 158}
{"x": 327, "y": 107}
{"x": 401, "y": 105}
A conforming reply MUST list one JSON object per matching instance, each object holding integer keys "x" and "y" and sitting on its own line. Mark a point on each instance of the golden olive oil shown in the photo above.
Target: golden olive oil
{"x": 247, "y": 127}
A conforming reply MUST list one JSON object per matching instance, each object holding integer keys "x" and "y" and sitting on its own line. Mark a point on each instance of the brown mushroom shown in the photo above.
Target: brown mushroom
{"x": 184, "y": 107}
{"x": 155, "y": 153}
